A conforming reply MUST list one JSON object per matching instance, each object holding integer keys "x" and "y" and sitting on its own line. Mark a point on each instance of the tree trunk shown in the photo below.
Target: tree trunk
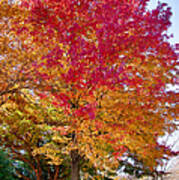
{"x": 56, "y": 172}
{"x": 75, "y": 165}
{"x": 38, "y": 176}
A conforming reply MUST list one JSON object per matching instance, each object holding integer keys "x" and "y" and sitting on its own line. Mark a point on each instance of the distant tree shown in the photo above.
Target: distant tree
{"x": 7, "y": 171}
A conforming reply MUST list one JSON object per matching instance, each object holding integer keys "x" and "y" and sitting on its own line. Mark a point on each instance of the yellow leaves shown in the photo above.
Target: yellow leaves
{"x": 60, "y": 45}
{"x": 87, "y": 99}
{"x": 29, "y": 110}
{"x": 8, "y": 9}
{"x": 60, "y": 139}
{"x": 4, "y": 7}
{"x": 51, "y": 152}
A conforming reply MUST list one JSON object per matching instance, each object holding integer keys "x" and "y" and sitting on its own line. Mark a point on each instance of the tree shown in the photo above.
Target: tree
{"x": 6, "y": 167}
{"x": 104, "y": 65}
{"x": 21, "y": 134}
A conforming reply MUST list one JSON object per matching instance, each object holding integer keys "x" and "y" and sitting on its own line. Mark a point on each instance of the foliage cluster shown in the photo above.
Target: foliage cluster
{"x": 83, "y": 86}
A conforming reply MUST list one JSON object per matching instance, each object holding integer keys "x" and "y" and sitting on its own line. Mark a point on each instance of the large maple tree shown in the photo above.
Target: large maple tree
{"x": 104, "y": 65}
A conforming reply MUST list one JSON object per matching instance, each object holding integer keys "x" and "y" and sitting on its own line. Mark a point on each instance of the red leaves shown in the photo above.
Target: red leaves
{"x": 113, "y": 47}
{"x": 96, "y": 33}
{"x": 167, "y": 150}
{"x": 98, "y": 124}
{"x": 52, "y": 58}
{"x": 87, "y": 111}
{"x": 62, "y": 130}
{"x": 42, "y": 96}
{"x": 62, "y": 99}
{"x": 25, "y": 4}
{"x": 119, "y": 151}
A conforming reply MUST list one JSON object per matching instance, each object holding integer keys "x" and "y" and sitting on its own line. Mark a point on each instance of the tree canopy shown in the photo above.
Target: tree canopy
{"x": 85, "y": 81}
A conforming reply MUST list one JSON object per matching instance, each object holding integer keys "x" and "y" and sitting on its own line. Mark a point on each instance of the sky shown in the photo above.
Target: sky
{"x": 174, "y": 4}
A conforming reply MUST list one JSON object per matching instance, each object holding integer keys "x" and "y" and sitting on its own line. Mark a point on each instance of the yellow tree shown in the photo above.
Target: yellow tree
{"x": 26, "y": 126}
